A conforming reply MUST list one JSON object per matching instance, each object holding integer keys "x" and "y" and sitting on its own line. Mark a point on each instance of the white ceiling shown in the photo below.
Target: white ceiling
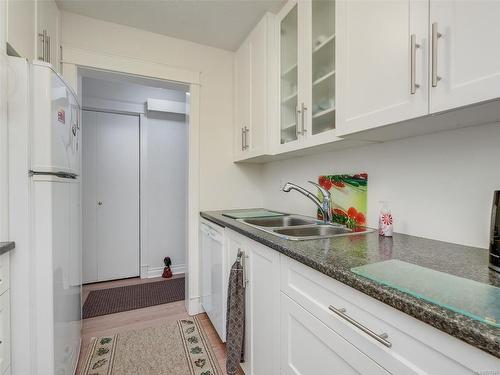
{"x": 217, "y": 23}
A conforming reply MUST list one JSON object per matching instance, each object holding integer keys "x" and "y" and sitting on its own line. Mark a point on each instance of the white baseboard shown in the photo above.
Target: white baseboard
{"x": 148, "y": 272}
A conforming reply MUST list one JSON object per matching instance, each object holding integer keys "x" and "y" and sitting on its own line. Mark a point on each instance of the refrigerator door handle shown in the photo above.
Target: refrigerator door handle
{"x": 56, "y": 174}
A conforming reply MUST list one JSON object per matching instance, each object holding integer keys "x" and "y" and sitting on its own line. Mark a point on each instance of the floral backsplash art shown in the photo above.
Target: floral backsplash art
{"x": 349, "y": 198}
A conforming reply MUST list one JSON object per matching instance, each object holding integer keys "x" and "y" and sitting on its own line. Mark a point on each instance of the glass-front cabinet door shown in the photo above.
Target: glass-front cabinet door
{"x": 307, "y": 73}
{"x": 322, "y": 67}
{"x": 289, "y": 75}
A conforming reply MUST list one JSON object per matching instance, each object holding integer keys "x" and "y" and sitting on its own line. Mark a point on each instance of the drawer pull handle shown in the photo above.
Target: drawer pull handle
{"x": 381, "y": 338}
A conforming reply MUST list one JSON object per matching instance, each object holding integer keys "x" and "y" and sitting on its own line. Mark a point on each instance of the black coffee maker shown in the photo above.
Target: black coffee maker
{"x": 495, "y": 233}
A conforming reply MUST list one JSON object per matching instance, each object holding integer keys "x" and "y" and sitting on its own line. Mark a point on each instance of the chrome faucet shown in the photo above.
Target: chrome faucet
{"x": 325, "y": 205}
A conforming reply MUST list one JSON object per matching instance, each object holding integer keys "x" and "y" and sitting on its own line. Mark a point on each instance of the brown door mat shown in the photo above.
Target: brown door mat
{"x": 131, "y": 297}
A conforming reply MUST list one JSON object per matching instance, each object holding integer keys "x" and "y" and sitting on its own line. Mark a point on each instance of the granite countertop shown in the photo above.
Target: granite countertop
{"x": 6, "y": 247}
{"x": 336, "y": 257}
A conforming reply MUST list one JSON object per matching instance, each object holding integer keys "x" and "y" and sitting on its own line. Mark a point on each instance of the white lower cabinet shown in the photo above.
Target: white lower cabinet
{"x": 261, "y": 265}
{"x": 4, "y": 314}
{"x": 4, "y": 332}
{"x": 4, "y": 272}
{"x": 310, "y": 347}
{"x": 262, "y": 310}
{"x": 291, "y": 329}
{"x": 414, "y": 347}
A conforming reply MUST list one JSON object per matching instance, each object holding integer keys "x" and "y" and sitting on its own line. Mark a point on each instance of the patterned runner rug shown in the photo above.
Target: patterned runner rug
{"x": 177, "y": 348}
{"x": 131, "y": 297}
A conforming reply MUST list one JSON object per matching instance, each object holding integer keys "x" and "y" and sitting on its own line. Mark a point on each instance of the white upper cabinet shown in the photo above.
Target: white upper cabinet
{"x": 465, "y": 55}
{"x": 33, "y": 30}
{"x": 289, "y": 75}
{"x": 243, "y": 103}
{"x": 47, "y": 30}
{"x": 321, "y": 67}
{"x": 21, "y": 28}
{"x": 253, "y": 89}
{"x": 307, "y": 74}
{"x": 346, "y": 72}
{"x": 403, "y": 60}
{"x": 381, "y": 63}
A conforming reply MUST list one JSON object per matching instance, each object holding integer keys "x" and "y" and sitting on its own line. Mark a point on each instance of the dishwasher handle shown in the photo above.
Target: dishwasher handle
{"x": 216, "y": 236}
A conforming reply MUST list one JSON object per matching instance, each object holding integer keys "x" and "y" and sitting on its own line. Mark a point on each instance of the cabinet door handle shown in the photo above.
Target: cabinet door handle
{"x": 381, "y": 338}
{"x": 48, "y": 48}
{"x": 61, "y": 62}
{"x": 435, "y": 36}
{"x": 244, "y": 142}
{"x": 46, "y": 43}
{"x": 242, "y": 257}
{"x": 298, "y": 111}
{"x": 246, "y": 130}
{"x": 302, "y": 122}
{"x": 413, "y": 63}
{"x": 42, "y": 38}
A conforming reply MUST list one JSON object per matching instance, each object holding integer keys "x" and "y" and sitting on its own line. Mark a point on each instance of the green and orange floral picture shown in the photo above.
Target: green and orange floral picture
{"x": 349, "y": 198}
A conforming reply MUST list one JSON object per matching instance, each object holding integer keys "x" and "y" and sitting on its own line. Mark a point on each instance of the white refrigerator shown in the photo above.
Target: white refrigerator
{"x": 45, "y": 219}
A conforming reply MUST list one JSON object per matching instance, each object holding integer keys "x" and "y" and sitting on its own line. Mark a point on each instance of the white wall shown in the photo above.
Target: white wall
{"x": 439, "y": 186}
{"x": 222, "y": 183}
{"x": 166, "y": 191}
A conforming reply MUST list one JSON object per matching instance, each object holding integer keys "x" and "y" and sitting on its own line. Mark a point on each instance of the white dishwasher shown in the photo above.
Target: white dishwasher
{"x": 212, "y": 269}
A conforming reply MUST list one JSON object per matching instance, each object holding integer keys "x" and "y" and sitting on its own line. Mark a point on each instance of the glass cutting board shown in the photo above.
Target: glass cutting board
{"x": 252, "y": 214}
{"x": 471, "y": 298}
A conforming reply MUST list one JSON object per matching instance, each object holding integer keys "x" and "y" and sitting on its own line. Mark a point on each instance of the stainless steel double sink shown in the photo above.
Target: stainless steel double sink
{"x": 299, "y": 228}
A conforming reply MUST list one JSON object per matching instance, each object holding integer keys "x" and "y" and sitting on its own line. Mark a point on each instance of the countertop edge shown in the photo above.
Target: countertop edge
{"x": 5, "y": 247}
{"x": 436, "y": 316}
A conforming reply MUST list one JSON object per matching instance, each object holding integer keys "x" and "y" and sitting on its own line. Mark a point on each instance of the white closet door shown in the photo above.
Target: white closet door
{"x": 114, "y": 173}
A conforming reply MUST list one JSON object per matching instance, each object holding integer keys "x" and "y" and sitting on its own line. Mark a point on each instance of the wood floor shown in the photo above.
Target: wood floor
{"x": 141, "y": 318}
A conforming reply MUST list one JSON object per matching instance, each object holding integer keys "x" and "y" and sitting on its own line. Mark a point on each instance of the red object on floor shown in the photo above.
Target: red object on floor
{"x": 167, "y": 273}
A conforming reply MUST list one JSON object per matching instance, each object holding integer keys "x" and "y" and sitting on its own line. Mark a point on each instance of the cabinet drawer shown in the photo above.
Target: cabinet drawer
{"x": 416, "y": 347}
{"x": 311, "y": 348}
{"x": 4, "y": 272}
{"x": 4, "y": 331}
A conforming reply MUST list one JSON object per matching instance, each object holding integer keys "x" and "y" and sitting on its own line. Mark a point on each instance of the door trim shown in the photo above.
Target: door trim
{"x": 75, "y": 58}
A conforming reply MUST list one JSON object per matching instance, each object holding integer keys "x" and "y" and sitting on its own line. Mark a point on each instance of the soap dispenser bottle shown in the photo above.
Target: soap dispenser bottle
{"x": 385, "y": 223}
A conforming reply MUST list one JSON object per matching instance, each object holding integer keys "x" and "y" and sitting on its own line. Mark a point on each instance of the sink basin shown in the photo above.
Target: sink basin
{"x": 299, "y": 228}
{"x": 281, "y": 221}
{"x": 316, "y": 231}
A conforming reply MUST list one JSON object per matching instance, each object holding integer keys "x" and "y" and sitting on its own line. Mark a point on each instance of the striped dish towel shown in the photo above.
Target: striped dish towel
{"x": 235, "y": 321}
